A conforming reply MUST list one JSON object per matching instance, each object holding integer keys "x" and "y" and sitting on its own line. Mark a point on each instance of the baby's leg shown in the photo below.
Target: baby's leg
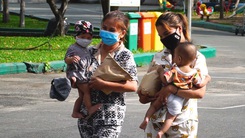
{"x": 76, "y": 109}
{"x": 144, "y": 123}
{"x": 152, "y": 109}
{"x": 73, "y": 82}
{"x": 87, "y": 99}
{"x": 167, "y": 124}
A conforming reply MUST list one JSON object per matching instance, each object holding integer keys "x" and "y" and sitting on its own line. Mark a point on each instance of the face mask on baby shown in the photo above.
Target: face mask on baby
{"x": 109, "y": 38}
{"x": 83, "y": 42}
{"x": 171, "y": 41}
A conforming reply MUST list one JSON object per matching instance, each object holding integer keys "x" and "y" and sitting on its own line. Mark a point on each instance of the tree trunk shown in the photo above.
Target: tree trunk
{"x": 105, "y": 7}
{"x": 61, "y": 27}
{"x": 59, "y": 16}
{"x": 22, "y": 14}
{"x": 1, "y": 5}
{"x": 221, "y": 15}
{"x": 6, "y": 17}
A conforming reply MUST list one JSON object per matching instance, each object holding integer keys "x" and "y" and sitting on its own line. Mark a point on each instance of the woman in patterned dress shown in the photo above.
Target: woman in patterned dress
{"x": 107, "y": 121}
{"x": 173, "y": 29}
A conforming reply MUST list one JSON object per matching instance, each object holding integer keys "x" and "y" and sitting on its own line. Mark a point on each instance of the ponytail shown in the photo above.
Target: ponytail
{"x": 185, "y": 27}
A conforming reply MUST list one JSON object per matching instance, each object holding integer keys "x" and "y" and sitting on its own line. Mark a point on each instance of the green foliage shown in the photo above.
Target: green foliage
{"x": 47, "y": 67}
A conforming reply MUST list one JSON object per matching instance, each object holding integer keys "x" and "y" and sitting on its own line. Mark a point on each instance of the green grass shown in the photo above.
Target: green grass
{"x": 14, "y": 49}
{"x": 44, "y": 49}
{"x": 29, "y": 22}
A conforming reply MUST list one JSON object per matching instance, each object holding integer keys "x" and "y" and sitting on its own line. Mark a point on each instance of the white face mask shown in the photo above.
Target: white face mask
{"x": 83, "y": 42}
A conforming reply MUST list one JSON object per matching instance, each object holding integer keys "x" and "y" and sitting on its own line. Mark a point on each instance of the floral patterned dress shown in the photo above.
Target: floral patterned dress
{"x": 108, "y": 120}
{"x": 186, "y": 123}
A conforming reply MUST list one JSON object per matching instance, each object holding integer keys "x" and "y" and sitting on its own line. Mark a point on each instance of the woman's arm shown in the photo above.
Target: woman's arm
{"x": 191, "y": 93}
{"x": 123, "y": 86}
{"x": 204, "y": 82}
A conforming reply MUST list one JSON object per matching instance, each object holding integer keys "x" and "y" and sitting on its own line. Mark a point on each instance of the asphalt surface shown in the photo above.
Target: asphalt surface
{"x": 75, "y": 11}
{"x": 27, "y": 111}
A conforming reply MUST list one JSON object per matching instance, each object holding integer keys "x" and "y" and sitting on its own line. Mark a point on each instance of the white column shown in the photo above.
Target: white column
{"x": 189, "y": 12}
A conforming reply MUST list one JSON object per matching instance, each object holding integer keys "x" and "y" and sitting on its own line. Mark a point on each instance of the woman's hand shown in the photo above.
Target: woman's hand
{"x": 145, "y": 98}
{"x": 96, "y": 83}
{"x": 160, "y": 69}
{"x": 165, "y": 92}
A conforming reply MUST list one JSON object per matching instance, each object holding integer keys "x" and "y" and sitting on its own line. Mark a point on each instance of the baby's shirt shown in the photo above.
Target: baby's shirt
{"x": 181, "y": 79}
{"x": 79, "y": 70}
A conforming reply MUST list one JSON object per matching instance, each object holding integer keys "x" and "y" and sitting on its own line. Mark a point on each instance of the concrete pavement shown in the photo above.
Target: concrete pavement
{"x": 93, "y": 13}
{"x": 27, "y": 111}
{"x": 75, "y": 11}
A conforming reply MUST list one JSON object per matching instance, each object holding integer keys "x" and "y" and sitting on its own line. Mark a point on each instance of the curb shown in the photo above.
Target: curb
{"x": 143, "y": 59}
{"x": 208, "y": 52}
{"x": 60, "y": 66}
{"x": 215, "y": 26}
{"x": 12, "y": 68}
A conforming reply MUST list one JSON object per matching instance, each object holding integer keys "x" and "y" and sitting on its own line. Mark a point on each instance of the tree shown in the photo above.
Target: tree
{"x": 22, "y": 14}
{"x": 6, "y": 17}
{"x": 59, "y": 15}
{"x": 105, "y": 7}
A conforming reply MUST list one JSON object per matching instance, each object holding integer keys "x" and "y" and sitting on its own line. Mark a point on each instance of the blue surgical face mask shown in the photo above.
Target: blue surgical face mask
{"x": 109, "y": 38}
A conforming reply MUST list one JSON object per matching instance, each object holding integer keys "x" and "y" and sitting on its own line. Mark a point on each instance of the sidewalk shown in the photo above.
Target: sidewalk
{"x": 75, "y": 11}
{"x": 24, "y": 98}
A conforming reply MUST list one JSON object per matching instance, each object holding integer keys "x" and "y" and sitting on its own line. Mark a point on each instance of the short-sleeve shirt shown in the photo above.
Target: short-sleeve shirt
{"x": 79, "y": 70}
{"x": 113, "y": 110}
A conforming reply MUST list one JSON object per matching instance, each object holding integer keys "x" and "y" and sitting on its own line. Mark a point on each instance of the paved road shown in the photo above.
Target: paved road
{"x": 26, "y": 110}
{"x": 74, "y": 12}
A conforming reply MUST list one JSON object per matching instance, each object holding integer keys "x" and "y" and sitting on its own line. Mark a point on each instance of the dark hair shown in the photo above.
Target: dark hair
{"x": 187, "y": 51}
{"x": 121, "y": 20}
{"x": 171, "y": 19}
